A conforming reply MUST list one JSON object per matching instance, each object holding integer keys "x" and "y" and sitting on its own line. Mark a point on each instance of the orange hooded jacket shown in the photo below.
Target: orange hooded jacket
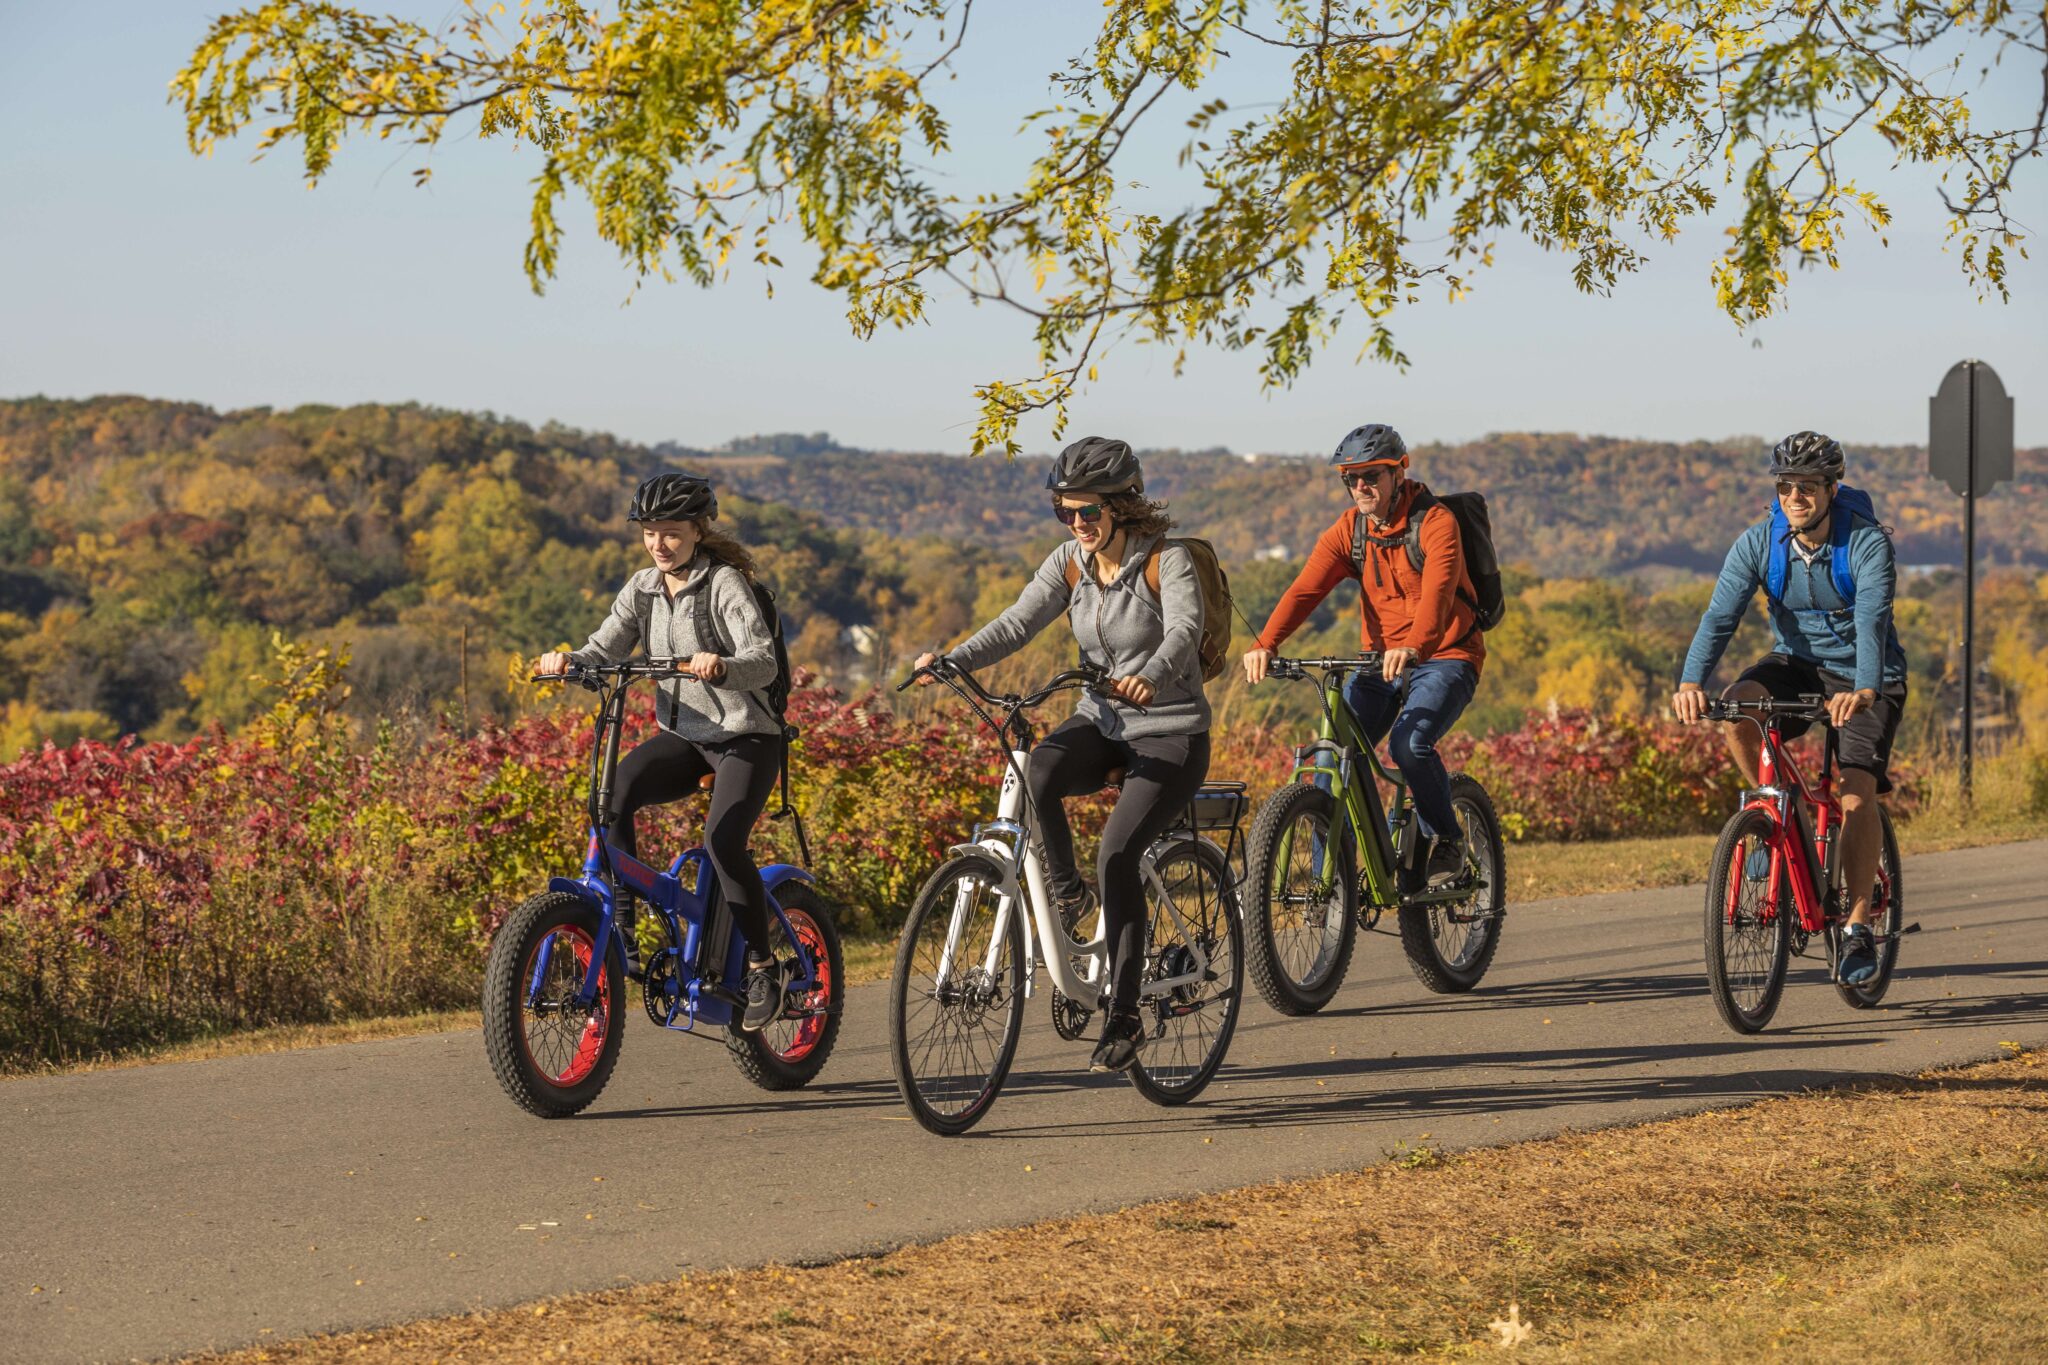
{"x": 1398, "y": 607}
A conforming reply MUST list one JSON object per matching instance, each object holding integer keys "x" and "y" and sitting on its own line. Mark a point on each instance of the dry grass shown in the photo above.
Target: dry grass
{"x": 281, "y": 1038}
{"x": 1732, "y": 1232}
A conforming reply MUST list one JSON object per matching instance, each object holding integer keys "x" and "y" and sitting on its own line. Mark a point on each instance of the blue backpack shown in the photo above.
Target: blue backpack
{"x": 1853, "y": 501}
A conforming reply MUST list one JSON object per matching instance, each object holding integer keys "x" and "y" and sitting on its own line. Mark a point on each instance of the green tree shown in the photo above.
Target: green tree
{"x": 1409, "y": 138}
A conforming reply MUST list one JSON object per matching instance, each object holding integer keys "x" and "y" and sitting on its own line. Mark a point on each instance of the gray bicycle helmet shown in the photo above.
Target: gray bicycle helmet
{"x": 1373, "y": 443}
{"x": 673, "y": 497}
{"x": 1096, "y": 464}
{"x": 1808, "y": 453}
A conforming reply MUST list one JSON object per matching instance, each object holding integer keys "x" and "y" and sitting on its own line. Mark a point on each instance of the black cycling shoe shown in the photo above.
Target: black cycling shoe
{"x": 1074, "y": 913}
{"x": 1122, "y": 1036}
{"x": 764, "y": 996}
{"x": 1446, "y": 861}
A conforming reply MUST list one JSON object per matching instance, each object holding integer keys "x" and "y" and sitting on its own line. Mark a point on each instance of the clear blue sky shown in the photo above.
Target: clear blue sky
{"x": 126, "y": 265}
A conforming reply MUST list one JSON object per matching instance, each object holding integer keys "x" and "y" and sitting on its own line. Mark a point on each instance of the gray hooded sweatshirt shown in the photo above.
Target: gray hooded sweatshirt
{"x": 644, "y": 614}
{"x": 1122, "y": 628}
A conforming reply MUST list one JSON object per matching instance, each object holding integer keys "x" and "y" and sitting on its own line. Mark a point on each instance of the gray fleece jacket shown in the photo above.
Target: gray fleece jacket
{"x": 1123, "y": 628}
{"x": 644, "y": 614}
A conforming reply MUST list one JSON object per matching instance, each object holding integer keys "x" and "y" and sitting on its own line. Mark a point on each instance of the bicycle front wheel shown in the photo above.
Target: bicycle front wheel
{"x": 1195, "y": 921}
{"x": 1301, "y": 899}
{"x": 1450, "y": 944}
{"x": 1887, "y": 917}
{"x": 956, "y": 1004}
{"x": 1748, "y": 937}
{"x": 551, "y": 1054}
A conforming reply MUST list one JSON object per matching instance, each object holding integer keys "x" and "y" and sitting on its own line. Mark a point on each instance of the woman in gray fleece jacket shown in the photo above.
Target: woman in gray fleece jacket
{"x": 1149, "y": 643}
{"x": 713, "y": 719}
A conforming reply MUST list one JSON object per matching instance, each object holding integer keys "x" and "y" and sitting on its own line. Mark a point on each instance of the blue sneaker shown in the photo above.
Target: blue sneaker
{"x": 1758, "y": 865}
{"x": 1859, "y": 955}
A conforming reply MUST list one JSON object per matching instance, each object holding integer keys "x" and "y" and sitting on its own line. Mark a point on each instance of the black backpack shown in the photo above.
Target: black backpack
{"x": 1475, "y": 533}
{"x": 775, "y": 695}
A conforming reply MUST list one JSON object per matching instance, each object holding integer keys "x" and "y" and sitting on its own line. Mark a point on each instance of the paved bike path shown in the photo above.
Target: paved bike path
{"x": 164, "y": 1209}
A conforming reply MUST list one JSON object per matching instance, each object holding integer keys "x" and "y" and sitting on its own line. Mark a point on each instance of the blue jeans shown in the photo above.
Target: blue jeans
{"x": 1436, "y": 694}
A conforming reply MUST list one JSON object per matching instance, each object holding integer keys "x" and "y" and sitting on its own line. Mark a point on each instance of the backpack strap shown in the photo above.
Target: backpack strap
{"x": 1409, "y": 540}
{"x": 1152, "y": 568}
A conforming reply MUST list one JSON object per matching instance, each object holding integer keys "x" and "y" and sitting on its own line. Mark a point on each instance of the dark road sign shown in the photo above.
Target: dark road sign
{"x": 1969, "y": 424}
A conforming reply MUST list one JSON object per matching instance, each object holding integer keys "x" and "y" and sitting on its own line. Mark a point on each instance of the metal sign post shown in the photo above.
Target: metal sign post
{"x": 1969, "y": 447}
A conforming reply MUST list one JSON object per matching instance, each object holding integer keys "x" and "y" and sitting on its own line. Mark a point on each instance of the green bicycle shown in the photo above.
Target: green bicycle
{"x": 1306, "y": 894}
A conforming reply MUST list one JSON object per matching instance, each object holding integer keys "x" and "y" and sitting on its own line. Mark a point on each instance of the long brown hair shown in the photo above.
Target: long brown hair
{"x": 1138, "y": 514}
{"x": 721, "y": 546}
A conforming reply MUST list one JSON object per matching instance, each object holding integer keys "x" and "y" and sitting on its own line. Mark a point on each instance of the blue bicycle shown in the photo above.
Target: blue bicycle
{"x": 555, "y": 981}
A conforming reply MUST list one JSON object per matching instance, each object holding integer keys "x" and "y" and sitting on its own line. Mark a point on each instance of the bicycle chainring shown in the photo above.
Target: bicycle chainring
{"x": 1069, "y": 1017}
{"x": 655, "y": 990}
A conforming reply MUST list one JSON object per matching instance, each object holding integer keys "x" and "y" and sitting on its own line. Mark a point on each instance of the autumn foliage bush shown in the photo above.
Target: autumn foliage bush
{"x": 301, "y": 871}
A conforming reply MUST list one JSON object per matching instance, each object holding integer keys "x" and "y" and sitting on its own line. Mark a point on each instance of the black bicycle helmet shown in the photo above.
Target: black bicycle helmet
{"x": 673, "y": 497}
{"x": 1808, "y": 453}
{"x": 1373, "y": 443}
{"x": 1096, "y": 464}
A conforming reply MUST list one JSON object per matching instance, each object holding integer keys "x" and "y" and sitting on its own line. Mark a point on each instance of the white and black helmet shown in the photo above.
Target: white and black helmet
{"x": 673, "y": 497}
{"x": 1096, "y": 464}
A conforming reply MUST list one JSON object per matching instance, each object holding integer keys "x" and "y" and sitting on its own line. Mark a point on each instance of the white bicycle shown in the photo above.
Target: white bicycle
{"x": 968, "y": 960}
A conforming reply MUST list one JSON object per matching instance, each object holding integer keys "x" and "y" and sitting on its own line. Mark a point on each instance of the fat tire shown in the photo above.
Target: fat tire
{"x": 750, "y": 1052}
{"x": 504, "y": 1002}
{"x": 1276, "y": 816}
{"x": 1740, "y": 826}
{"x": 1418, "y": 939}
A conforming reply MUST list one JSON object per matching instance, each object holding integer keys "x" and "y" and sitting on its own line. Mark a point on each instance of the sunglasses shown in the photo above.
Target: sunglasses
{"x": 1805, "y": 489}
{"x": 1091, "y": 514}
{"x": 1355, "y": 478}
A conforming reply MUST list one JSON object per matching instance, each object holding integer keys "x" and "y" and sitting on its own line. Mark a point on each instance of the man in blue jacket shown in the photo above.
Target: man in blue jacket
{"x": 1827, "y": 572}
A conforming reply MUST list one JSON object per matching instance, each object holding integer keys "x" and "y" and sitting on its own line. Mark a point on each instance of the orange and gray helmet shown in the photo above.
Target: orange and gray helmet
{"x": 1373, "y": 443}
{"x": 1096, "y": 464}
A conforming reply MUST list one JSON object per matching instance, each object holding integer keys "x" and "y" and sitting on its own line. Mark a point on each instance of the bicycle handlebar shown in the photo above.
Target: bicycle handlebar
{"x": 1278, "y": 667}
{"x": 1808, "y": 707}
{"x": 588, "y": 675}
{"x": 1090, "y": 676}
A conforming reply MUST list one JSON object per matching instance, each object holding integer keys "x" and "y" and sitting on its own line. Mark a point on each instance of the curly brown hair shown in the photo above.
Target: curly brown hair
{"x": 1138, "y": 514}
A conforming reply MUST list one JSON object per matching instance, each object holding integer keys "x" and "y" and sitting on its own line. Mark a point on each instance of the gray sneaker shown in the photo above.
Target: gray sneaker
{"x": 764, "y": 996}
{"x": 1446, "y": 861}
{"x": 1859, "y": 955}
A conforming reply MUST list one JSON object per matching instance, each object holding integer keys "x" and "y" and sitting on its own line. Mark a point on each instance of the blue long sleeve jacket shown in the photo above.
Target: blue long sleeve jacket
{"x": 1813, "y": 622}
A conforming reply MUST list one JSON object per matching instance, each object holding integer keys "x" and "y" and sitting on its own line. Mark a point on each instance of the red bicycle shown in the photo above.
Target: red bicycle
{"x": 1776, "y": 882}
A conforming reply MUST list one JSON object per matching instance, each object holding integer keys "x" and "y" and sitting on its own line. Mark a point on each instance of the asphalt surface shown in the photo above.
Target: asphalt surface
{"x": 165, "y": 1209}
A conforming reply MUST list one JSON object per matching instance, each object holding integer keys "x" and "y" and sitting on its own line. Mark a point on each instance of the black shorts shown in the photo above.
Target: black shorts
{"x": 1866, "y": 741}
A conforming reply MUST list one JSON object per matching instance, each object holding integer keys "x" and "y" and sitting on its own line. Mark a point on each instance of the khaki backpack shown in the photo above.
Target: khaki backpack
{"x": 1214, "y": 650}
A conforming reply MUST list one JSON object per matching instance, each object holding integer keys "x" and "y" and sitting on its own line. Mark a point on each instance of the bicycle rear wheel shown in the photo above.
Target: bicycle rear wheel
{"x": 1301, "y": 899}
{"x": 1450, "y": 944}
{"x": 1748, "y": 937}
{"x": 956, "y": 1003}
{"x": 795, "y": 1045}
{"x": 1887, "y": 917}
{"x": 1191, "y": 1025}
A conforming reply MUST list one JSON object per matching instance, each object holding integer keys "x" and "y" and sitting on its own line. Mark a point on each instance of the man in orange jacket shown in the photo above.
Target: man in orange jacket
{"x": 1421, "y": 621}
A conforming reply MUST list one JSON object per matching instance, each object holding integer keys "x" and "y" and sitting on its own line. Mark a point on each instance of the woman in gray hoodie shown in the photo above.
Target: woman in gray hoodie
{"x": 713, "y": 717}
{"x": 1143, "y": 626}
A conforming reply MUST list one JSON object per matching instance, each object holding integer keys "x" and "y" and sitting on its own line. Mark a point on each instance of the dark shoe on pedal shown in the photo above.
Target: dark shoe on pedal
{"x": 1859, "y": 955}
{"x": 1074, "y": 913}
{"x": 1446, "y": 861}
{"x": 764, "y": 996}
{"x": 1122, "y": 1036}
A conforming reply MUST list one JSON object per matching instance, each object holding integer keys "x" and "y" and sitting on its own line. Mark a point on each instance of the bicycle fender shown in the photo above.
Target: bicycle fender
{"x": 775, "y": 874}
{"x": 582, "y": 890}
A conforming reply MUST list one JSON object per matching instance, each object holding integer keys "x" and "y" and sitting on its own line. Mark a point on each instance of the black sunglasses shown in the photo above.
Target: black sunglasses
{"x": 1091, "y": 513}
{"x": 1354, "y": 478}
{"x": 1805, "y": 487}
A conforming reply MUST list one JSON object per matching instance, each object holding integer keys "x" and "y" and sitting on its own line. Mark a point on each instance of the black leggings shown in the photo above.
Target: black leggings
{"x": 1161, "y": 775}
{"x": 668, "y": 767}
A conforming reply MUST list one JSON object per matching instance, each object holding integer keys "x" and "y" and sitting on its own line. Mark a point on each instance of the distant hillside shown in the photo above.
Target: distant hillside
{"x": 1564, "y": 506}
